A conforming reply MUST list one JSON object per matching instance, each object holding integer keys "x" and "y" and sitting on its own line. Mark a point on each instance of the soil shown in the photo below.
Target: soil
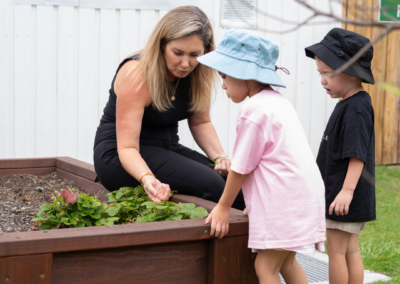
{"x": 22, "y": 195}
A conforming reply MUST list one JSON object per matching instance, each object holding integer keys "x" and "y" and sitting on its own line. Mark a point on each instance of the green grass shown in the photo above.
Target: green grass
{"x": 380, "y": 242}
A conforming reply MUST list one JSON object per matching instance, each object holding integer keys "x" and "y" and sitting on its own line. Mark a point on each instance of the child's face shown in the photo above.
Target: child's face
{"x": 236, "y": 89}
{"x": 340, "y": 86}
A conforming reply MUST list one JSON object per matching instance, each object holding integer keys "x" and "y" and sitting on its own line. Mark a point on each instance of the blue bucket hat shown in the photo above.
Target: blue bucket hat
{"x": 245, "y": 55}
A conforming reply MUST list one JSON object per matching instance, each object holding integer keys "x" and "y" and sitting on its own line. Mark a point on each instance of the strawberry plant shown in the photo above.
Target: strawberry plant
{"x": 126, "y": 205}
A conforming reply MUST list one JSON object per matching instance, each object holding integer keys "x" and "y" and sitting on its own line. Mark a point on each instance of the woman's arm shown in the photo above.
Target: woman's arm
{"x": 129, "y": 115}
{"x": 206, "y": 137}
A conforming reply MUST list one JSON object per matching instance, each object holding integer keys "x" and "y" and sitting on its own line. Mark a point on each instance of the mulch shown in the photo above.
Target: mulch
{"x": 22, "y": 195}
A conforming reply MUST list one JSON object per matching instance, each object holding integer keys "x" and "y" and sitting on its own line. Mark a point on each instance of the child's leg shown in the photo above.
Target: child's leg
{"x": 337, "y": 241}
{"x": 354, "y": 261}
{"x": 268, "y": 263}
{"x": 291, "y": 270}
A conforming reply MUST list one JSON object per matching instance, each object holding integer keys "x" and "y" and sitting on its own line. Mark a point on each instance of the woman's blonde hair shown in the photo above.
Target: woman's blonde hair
{"x": 180, "y": 22}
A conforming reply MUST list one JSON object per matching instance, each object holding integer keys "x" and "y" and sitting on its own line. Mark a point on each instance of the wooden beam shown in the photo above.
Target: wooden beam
{"x": 101, "y": 237}
{"x": 174, "y": 263}
{"x": 227, "y": 265}
{"x": 27, "y": 269}
{"x": 77, "y": 167}
{"x": 27, "y": 163}
{"x": 32, "y": 171}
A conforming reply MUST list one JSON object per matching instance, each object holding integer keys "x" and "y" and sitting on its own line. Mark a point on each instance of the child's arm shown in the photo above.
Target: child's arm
{"x": 220, "y": 214}
{"x": 343, "y": 199}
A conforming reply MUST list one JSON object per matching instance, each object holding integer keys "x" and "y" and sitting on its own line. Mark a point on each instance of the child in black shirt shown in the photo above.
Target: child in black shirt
{"x": 346, "y": 157}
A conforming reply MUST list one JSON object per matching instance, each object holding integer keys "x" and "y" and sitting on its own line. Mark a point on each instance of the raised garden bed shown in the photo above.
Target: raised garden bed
{"x": 161, "y": 252}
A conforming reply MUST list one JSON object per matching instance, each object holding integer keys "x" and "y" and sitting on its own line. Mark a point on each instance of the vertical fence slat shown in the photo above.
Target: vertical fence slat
{"x": 129, "y": 33}
{"x": 390, "y": 118}
{"x": 108, "y": 52}
{"x": 304, "y": 72}
{"x": 67, "y": 88}
{"x": 378, "y": 94}
{"x": 45, "y": 103}
{"x": 6, "y": 39}
{"x": 288, "y": 50}
{"x": 88, "y": 77}
{"x": 24, "y": 95}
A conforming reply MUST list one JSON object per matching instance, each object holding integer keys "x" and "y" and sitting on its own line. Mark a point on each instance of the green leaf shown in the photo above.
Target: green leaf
{"x": 45, "y": 226}
{"x": 188, "y": 206}
{"x": 119, "y": 194}
{"x": 95, "y": 216}
{"x": 112, "y": 211}
{"x": 148, "y": 204}
{"x": 80, "y": 224}
{"x": 88, "y": 222}
{"x": 45, "y": 207}
{"x": 64, "y": 220}
{"x": 199, "y": 212}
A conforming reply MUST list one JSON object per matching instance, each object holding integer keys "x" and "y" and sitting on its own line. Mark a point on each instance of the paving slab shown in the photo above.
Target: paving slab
{"x": 317, "y": 270}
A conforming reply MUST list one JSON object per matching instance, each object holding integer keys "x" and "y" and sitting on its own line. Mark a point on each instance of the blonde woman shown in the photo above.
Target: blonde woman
{"x": 137, "y": 141}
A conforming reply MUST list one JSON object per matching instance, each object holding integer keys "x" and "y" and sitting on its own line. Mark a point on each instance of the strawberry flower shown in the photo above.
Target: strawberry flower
{"x": 69, "y": 197}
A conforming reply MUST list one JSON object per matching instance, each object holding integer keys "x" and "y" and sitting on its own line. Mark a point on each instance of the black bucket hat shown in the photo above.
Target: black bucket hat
{"x": 338, "y": 46}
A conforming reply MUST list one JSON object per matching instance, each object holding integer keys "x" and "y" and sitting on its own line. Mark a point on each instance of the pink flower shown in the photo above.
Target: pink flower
{"x": 69, "y": 197}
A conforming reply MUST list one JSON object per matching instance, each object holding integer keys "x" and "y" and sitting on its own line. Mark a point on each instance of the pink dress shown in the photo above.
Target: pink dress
{"x": 284, "y": 191}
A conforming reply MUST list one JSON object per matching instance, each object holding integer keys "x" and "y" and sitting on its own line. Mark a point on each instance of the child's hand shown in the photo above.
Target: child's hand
{"x": 341, "y": 203}
{"x": 245, "y": 212}
{"x": 220, "y": 221}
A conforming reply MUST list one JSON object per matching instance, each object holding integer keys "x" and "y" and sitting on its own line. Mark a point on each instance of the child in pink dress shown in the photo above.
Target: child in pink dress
{"x": 272, "y": 161}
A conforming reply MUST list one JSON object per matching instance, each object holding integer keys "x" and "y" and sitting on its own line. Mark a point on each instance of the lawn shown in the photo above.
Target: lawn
{"x": 380, "y": 242}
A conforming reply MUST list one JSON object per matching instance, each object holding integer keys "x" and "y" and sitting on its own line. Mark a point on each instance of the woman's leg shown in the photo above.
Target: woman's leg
{"x": 354, "y": 261}
{"x": 185, "y": 175}
{"x": 291, "y": 270}
{"x": 337, "y": 242}
{"x": 268, "y": 264}
{"x": 196, "y": 156}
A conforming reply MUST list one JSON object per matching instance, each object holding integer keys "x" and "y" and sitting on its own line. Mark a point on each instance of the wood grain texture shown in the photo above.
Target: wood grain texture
{"x": 32, "y": 171}
{"x": 390, "y": 122}
{"x": 102, "y": 237}
{"x": 91, "y": 187}
{"x": 177, "y": 263}
{"x": 377, "y": 93}
{"x": 32, "y": 269}
{"x": 77, "y": 167}
{"x": 27, "y": 163}
{"x": 227, "y": 265}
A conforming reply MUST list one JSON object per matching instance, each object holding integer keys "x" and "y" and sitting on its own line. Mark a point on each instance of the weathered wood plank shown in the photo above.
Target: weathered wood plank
{"x": 390, "y": 135}
{"x": 175, "y": 263}
{"x": 32, "y": 269}
{"x": 376, "y": 92}
{"x": 227, "y": 265}
{"x": 27, "y": 163}
{"x": 64, "y": 240}
{"x": 32, "y": 171}
{"x": 366, "y": 31}
{"x": 77, "y": 167}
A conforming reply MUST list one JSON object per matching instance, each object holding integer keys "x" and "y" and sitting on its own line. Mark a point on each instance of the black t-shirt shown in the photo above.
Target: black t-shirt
{"x": 350, "y": 133}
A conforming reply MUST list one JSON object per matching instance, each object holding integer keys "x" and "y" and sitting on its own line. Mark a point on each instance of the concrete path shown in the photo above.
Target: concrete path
{"x": 319, "y": 261}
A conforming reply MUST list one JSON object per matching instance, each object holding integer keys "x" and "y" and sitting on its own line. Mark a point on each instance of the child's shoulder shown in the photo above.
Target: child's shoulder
{"x": 359, "y": 103}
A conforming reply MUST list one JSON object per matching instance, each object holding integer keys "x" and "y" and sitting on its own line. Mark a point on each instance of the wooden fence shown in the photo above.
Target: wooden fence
{"x": 386, "y": 68}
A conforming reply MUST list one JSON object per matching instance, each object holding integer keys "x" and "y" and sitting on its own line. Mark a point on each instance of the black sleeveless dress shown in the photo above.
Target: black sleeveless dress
{"x": 185, "y": 170}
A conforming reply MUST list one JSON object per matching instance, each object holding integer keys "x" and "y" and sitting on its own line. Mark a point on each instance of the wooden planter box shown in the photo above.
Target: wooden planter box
{"x": 162, "y": 252}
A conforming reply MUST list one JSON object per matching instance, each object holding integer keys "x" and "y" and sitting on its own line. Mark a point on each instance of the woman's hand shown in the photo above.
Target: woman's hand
{"x": 156, "y": 190}
{"x": 223, "y": 166}
{"x": 219, "y": 218}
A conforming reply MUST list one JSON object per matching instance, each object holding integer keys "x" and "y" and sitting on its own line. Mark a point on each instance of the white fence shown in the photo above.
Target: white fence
{"x": 57, "y": 63}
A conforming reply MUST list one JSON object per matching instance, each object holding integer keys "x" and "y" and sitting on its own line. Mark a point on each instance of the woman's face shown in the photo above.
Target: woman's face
{"x": 181, "y": 56}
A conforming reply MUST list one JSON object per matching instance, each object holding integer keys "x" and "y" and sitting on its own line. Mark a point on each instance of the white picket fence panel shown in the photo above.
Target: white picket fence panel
{"x": 57, "y": 64}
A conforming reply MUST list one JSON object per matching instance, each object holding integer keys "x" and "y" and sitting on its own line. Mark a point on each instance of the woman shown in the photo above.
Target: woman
{"x": 137, "y": 140}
